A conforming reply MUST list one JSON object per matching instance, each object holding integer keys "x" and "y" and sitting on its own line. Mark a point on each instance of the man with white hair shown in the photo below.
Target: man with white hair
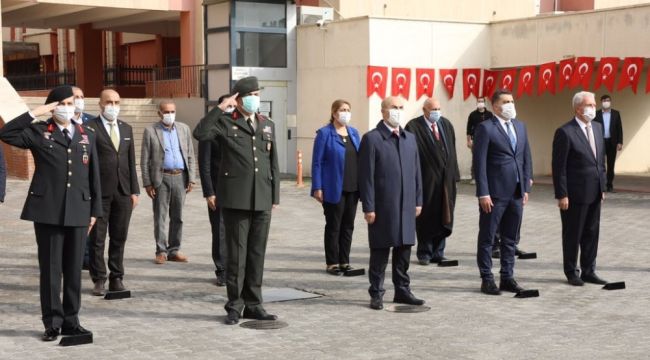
{"x": 579, "y": 180}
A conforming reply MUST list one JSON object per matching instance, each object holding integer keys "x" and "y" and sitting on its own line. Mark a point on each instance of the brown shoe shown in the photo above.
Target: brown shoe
{"x": 160, "y": 258}
{"x": 99, "y": 289}
{"x": 179, "y": 257}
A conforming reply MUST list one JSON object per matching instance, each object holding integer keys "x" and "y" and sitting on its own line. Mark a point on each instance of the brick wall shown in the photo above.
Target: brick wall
{"x": 20, "y": 163}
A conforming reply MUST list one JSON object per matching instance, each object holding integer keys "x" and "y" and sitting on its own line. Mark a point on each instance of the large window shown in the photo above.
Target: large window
{"x": 260, "y": 33}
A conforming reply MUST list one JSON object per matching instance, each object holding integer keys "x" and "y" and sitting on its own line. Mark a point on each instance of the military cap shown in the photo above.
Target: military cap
{"x": 246, "y": 85}
{"x": 59, "y": 93}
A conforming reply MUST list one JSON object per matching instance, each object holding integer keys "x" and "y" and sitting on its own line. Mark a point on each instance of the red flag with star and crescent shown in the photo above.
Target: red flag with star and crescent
{"x": 489, "y": 82}
{"x": 583, "y": 69}
{"x": 508, "y": 79}
{"x": 471, "y": 82}
{"x": 525, "y": 83}
{"x": 546, "y": 81}
{"x": 566, "y": 73}
{"x": 377, "y": 77}
{"x": 424, "y": 82}
{"x": 448, "y": 77}
{"x": 630, "y": 73}
{"x": 606, "y": 74}
{"x": 400, "y": 82}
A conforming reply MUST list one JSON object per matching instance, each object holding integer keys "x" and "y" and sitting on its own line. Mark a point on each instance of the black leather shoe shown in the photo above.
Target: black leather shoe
{"x": 232, "y": 318}
{"x": 509, "y": 285}
{"x": 438, "y": 260}
{"x": 334, "y": 270}
{"x": 258, "y": 314}
{"x": 115, "y": 285}
{"x": 592, "y": 278}
{"x": 490, "y": 287}
{"x": 77, "y": 330}
{"x": 496, "y": 254}
{"x": 221, "y": 277}
{"x": 519, "y": 251}
{"x": 50, "y": 334}
{"x": 100, "y": 288}
{"x": 409, "y": 299}
{"x": 424, "y": 262}
{"x": 575, "y": 281}
{"x": 376, "y": 303}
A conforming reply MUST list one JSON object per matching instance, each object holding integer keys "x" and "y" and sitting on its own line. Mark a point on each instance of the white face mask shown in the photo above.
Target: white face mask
{"x": 480, "y": 105}
{"x": 607, "y": 104}
{"x": 79, "y": 105}
{"x": 508, "y": 111}
{"x": 169, "y": 118}
{"x": 344, "y": 117}
{"x": 589, "y": 113}
{"x": 435, "y": 115}
{"x": 111, "y": 112}
{"x": 394, "y": 117}
{"x": 64, "y": 113}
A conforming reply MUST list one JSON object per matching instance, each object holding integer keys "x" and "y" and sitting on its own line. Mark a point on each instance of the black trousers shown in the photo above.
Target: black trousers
{"x": 610, "y": 151}
{"x": 339, "y": 225}
{"x": 400, "y": 266}
{"x": 60, "y": 253}
{"x": 246, "y": 236}
{"x": 218, "y": 238}
{"x": 580, "y": 231}
{"x": 117, "y": 210}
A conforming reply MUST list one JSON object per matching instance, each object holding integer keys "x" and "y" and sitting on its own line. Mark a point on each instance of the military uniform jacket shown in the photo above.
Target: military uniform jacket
{"x": 65, "y": 189}
{"x": 249, "y": 177}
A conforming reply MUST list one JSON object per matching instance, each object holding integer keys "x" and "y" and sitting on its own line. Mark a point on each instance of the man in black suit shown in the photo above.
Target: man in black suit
{"x": 3, "y": 176}
{"x": 63, "y": 201}
{"x": 120, "y": 190}
{"x": 209, "y": 157}
{"x": 610, "y": 120}
{"x": 579, "y": 181}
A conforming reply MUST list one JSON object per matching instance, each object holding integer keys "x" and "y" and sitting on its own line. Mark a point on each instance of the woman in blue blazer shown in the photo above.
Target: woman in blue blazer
{"x": 334, "y": 184}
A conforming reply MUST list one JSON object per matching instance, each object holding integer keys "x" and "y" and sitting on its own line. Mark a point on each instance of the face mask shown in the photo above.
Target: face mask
{"x": 508, "y": 111}
{"x": 606, "y": 104}
{"x": 79, "y": 105}
{"x": 111, "y": 112}
{"x": 480, "y": 106}
{"x": 229, "y": 109}
{"x": 169, "y": 118}
{"x": 251, "y": 103}
{"x": 435, "y": 115}
{"x": 589, "y": 113}
{"x": 394, "y": 117}
{"x": 64, "y": 113}
{"x": 344, "y": 117}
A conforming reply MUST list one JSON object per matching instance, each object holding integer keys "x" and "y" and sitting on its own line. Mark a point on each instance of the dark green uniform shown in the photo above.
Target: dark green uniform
{"x": 248, "y": 186}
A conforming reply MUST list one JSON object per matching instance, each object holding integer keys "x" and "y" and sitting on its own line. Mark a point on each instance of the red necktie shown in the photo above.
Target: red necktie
{"x": 396, "y": 133}
{"x": 434, "y": 128}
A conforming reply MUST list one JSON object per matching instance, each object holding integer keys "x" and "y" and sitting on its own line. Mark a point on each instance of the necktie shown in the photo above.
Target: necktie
{"x": 434, "y": 128}
{"x": 66, "y": 133}
{"x": 114, "y": 138}
{"x": 590, "y": 138}
{"x": 251, "y": 123}
{"x": 396, "y": 133}
{"x": 511, "y": 135}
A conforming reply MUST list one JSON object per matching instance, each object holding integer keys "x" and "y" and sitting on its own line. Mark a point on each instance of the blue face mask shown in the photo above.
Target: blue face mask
{"x": 435, "y": 115}
{"x": 251, "y": 103}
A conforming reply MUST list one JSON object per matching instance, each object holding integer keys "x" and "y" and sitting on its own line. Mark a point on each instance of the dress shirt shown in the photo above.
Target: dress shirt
{"x": 607, "y": 117}
{"x": 173, "y": 159}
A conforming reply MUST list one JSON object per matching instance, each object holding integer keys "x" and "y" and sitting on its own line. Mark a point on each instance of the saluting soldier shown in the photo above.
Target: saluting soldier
{"x": 248, "y": 188}
{"x": 64, "y": 200}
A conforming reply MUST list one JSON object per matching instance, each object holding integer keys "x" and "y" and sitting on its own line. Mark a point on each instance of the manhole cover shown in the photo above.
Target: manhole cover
{"x": 264, "y": 324}
{"x": 408, "y": 308}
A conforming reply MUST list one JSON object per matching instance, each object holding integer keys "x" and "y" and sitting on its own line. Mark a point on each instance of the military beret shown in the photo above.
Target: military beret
{"x": 59, "y": 93}
{"x": 245, "y": 85}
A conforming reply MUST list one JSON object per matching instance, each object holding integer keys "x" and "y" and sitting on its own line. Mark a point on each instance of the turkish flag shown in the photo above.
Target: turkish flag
{"x": 630, "y": 73}
{"x": 606, "y": 74}
{"x": 401, "y": 82}
{"x": 566, "y": 73}
{"x": 583, "y": 69}
{"x": 424, "y": 82}
{"x": 377, "y": 77}
{"x": 471, "y": 82}
{"x": 546, "y": 81}
{"x": 508, "y": 79}
{"x": 525, "y": 83}
{"x": 489, "y": 82}
{"x": 448, "y": 77}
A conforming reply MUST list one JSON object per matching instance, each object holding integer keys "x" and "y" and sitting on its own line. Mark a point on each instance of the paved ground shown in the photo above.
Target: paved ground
{"x": 177, "y": 311}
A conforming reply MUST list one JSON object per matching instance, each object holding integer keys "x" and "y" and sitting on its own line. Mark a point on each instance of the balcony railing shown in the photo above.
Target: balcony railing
{"x": 41, "y": 81}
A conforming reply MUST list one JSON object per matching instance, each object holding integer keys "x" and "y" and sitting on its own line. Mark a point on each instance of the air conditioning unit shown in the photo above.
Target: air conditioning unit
{"x": 314, "y": 14}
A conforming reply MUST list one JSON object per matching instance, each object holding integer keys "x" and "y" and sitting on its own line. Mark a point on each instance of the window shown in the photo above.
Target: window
{"x": 260, "y": 33}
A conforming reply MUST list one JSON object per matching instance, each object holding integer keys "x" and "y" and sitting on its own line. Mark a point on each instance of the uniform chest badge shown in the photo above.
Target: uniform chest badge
{"x": 268, "y": 146}
{"x": 47, "y": 135}
{"x": 84, "y": 159}
{"x": 84, "y": 139}
{"x": 267, "y": 130}
{"x": 234, "y": 127}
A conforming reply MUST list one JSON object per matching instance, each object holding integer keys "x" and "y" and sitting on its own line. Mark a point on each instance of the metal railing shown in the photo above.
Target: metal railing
{"x": 177, "y": 81}
{"x": 127, "y": 75}
{"x": 41, "y": 81}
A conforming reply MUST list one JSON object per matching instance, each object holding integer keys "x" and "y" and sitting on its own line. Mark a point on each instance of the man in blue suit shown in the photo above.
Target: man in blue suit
{"x": 503, "y": 169}
{"x": 390, "y": 186}
{"x": 579, "y": 180}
